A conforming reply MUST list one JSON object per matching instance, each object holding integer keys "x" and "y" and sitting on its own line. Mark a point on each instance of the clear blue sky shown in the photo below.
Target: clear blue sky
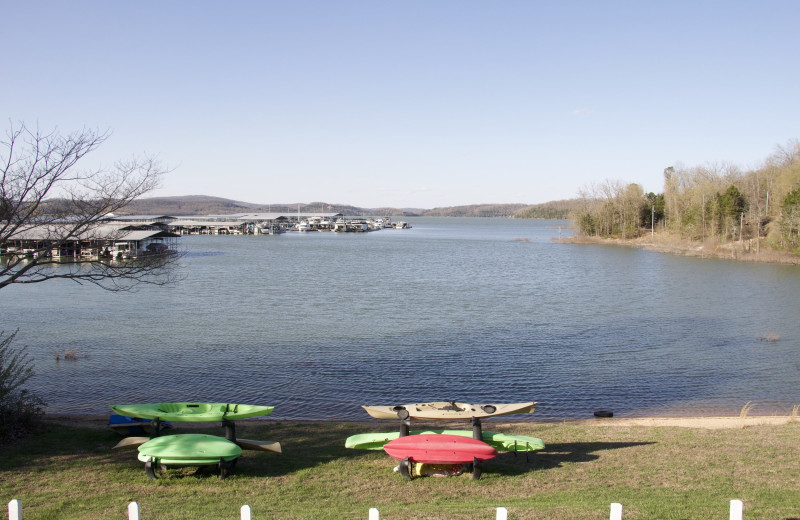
{"x": 408, "y": 103}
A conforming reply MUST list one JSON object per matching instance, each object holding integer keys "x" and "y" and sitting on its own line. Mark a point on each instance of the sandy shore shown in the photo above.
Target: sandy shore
{"x": 101, "y": 421}
{"x": 695, "y": 422}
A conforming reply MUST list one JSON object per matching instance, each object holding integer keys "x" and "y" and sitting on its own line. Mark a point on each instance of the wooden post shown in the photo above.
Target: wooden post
{"x": 652, "y": 219}
{"x": 133, "y": 511}
{"x": 737, "y": 508}
{"x": 247, "y": 514}
{"x": 14, "y": 510}
{"x": 616, "y": 511}
{"x": 502, "y": 513}
{"x": 373, "y": 514}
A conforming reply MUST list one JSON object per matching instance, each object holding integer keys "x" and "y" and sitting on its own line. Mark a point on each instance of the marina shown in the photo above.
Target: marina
{"x": 126, "y": 237}
{"x": 110, "y": 240}
{"x": 266, "y": 223}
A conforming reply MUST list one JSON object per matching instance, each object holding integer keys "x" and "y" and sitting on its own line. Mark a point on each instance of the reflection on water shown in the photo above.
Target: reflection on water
{"x": 317, "y": 324}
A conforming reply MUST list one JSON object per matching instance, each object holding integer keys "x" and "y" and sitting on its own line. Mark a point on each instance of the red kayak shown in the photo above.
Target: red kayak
{"x": 439, "y": 448}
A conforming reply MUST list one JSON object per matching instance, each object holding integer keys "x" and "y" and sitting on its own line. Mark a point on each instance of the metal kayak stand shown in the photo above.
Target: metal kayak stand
{"x": 406, "y": 465}
{"x": 405, "y": 427}
{"x": 224, "y": 468}
{"x": 477, "y": 429}
{"x": 230, "y": 429}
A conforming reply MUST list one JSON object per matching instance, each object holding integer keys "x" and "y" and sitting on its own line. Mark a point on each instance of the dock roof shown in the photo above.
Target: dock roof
{"x": 104, "y": 232}
{"x": 206, "y": 223}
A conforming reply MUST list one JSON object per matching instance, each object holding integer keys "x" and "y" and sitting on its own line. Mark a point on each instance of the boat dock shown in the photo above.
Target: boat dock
{"x": 266, "y": 223}
{"x": 122, "y": 237}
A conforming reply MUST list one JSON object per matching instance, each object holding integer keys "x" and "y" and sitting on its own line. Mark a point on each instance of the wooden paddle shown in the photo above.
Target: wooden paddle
{"x": 249, "y": 444}
{"x": 129, "y": 443}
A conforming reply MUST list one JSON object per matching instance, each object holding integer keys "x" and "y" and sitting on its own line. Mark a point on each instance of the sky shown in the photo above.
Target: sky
{"x": 408, "y": 104}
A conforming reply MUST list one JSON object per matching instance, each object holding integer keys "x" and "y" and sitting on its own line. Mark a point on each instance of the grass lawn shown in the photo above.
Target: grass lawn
{"x": 69, "y": 471}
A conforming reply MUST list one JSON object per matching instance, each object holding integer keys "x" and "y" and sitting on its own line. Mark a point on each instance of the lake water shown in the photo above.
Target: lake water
{"x": 473, "y": 310}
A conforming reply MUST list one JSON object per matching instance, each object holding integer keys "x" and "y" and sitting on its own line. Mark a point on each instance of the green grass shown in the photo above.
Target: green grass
{"x": 655, "y": 472}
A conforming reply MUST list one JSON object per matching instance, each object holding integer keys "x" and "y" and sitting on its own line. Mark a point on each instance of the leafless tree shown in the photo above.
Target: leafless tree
{"x": 44, "y": 193}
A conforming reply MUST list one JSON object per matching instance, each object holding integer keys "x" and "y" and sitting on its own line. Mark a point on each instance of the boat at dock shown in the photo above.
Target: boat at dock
{"x": 352, "y": 226}
{"x": 381, "y": 223}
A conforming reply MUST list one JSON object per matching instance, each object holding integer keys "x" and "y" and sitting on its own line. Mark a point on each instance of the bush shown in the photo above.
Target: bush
{"x": 18, "y": 407}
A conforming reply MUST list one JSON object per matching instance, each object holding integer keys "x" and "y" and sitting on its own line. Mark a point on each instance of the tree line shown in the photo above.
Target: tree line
{"x": 717, "y": 201}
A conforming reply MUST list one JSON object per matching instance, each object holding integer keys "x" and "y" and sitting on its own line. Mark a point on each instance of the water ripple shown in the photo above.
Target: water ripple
{"x": 453, "y": 309}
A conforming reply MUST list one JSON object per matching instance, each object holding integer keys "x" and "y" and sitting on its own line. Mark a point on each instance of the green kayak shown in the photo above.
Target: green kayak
{"x": 192, "y": 412}
{"x": 498, "y": 441}
{"x": 188, "y": 449}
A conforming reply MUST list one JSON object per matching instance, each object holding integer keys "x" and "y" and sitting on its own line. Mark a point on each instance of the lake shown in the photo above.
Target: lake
{"x": 472, "y": 310}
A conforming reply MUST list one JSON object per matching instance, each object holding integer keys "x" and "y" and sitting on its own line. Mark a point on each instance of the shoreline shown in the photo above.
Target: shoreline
{"x": 702, "y": 422}
{"x": 668, "y": 243}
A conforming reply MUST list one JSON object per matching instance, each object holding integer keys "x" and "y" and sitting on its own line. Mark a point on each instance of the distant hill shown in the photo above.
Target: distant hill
{"x": 477, "y": 210}
{"x": 548, "y": 210}
{"x": 187, "y": 205}
{"x": 555, "y": 210}
{"x": 206, "y": 205}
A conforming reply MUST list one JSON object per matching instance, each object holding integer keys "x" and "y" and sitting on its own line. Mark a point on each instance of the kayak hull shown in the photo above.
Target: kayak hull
{"x": 192, "y": 412}
{"x": 444, "y": 410}
{"x": 498, "y": 441}
{"x": 188, "y": 449}
{"x": 439, "y": 449}
{"x": 125, "y": 425}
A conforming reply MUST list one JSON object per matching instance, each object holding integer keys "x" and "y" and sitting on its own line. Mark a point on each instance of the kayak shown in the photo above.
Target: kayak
{"x": 439, "y": 449}
{"x": 498, "y": 441}
{"x": 192, "y": 412}
{"x": 132, "y": 425}
{"x": 188, "y": 449}
{"x": 447, "y": 410}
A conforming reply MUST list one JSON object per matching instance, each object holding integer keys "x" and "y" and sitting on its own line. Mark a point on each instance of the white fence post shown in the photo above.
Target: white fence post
{"x": 737, "y": 508}
{"x": 14, "y": 510}
{"x": 133, "y": 511}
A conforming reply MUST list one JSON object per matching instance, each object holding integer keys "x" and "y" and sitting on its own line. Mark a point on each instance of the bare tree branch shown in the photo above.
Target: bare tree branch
{"x": 44, "y": 194}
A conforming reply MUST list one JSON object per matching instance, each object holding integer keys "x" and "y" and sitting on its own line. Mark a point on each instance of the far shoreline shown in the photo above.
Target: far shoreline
{"x": 662, "y": 242}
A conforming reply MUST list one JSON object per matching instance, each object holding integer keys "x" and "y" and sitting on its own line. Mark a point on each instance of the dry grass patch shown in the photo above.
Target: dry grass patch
{"x": 743, "y": 413}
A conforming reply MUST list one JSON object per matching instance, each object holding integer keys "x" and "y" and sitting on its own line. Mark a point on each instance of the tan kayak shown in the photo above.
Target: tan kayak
{"x": 447, "y": 410}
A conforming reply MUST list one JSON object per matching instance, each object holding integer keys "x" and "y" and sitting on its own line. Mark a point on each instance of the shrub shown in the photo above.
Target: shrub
{"x": 18, "y": 407}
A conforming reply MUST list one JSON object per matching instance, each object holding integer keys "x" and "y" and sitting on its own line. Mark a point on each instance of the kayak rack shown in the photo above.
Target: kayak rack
{"x": 405, "y": 427}
{"x": 224, "y": 467}
{"x": 405, "y": 468}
